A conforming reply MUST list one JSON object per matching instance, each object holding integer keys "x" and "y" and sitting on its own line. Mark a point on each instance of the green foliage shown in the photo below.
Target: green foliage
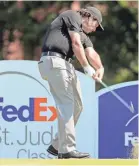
{"x": 117, "y": 45}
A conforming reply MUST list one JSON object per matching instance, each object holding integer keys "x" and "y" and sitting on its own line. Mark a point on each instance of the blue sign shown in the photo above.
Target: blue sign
{"x": 118, "y": 126}
{"x": 28, "y": 121}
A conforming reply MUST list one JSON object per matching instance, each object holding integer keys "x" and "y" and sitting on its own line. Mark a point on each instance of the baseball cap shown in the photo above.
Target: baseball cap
{"x": 96, "y": 13}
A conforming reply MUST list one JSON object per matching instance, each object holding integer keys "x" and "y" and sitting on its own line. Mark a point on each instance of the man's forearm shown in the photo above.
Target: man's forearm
{"x": 96, "y": 62}
{"x": 80, "y": 54}
{"x": 94, "y": 58}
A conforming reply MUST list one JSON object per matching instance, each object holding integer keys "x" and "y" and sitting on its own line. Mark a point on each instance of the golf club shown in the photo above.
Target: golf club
{"x": 130, "y": 107}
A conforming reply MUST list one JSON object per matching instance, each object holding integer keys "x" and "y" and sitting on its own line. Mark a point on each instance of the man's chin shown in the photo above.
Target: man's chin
{"x": 93, "y": 30}
{"x": 90, "y": 32}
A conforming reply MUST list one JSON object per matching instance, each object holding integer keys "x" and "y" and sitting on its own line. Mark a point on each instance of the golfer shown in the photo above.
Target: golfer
{"x": 66, "y": 37}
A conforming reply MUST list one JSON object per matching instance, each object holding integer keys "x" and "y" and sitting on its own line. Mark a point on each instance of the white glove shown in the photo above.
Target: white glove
{"x": 89, "y": 70}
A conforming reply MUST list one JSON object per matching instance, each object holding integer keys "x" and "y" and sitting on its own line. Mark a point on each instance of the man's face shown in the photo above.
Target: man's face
{"x": 89, "y": 24}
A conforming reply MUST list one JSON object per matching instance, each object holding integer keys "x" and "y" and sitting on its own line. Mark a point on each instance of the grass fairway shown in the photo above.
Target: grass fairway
{"x": 56, "y": 162}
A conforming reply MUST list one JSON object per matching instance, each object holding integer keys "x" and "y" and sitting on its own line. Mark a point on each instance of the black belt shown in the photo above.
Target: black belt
{"x": 51, "y": 53}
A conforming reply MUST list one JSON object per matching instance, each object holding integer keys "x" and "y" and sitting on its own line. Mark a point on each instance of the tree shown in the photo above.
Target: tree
{"x": 117, "y": 45}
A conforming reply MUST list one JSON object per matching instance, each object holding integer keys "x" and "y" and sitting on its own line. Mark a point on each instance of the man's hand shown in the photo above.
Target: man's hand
{"x": 89, "y": 70}
{"x": 98, "y": 74}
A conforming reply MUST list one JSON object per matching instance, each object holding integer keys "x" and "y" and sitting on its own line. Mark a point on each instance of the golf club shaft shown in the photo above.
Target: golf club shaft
{"x": 115, "y": 94}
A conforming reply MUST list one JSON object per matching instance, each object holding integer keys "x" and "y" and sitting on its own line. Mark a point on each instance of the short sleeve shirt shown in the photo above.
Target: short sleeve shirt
{"x": 57, "y": 37}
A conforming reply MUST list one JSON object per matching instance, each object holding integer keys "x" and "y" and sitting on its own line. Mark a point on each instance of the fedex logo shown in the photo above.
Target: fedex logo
{"x": 131, "y": 139}
{"x": 10, "y": 113}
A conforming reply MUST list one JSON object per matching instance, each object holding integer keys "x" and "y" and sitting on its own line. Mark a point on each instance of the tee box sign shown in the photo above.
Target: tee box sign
{"x": 118, "y": 126}
{"x": 28, "y": 118}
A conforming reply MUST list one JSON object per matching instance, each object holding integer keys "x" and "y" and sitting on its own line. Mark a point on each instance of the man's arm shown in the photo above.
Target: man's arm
{"x": 94, "y": 59}
{"x": 78, "y": 48}
{"x": 73, "y": 23}
{"x": 80, "y": 53}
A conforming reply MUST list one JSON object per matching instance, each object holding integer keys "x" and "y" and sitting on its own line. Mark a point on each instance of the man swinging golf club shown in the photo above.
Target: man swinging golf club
{"x": 66, "y": 37}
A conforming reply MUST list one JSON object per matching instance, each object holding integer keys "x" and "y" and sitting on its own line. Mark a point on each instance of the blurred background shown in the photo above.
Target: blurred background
{"x": 23, "y": 25}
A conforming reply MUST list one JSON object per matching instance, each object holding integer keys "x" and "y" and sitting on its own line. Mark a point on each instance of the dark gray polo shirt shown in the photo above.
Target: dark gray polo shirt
{"x": 57, "y": 37}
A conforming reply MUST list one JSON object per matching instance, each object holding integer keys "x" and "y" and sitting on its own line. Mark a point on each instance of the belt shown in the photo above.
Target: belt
{"x": 51, "y": 53}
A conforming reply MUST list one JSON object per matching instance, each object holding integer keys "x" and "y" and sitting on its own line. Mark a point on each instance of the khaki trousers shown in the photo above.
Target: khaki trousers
{"x": 65, "y": 89}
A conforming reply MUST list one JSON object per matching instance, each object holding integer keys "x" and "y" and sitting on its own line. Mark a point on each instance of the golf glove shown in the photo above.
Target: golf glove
{"x": 89, "y": 70}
